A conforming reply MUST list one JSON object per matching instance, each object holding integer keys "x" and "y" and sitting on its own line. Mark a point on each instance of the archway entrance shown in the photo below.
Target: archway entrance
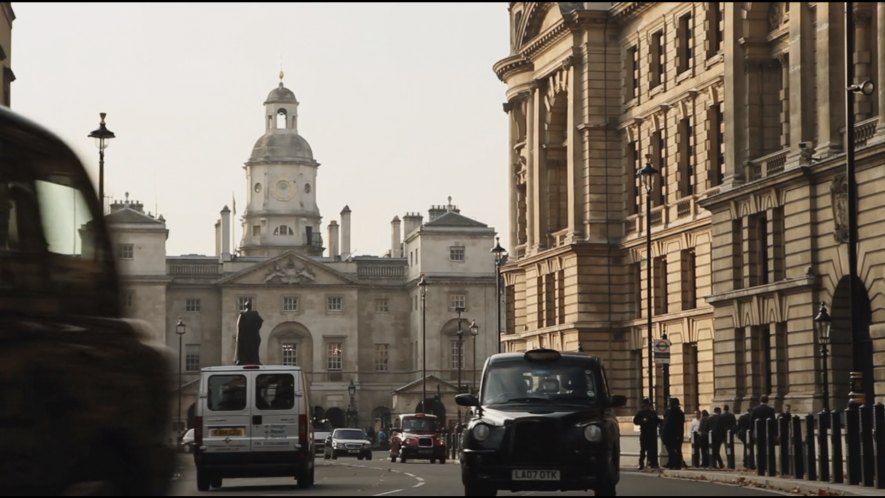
{"x": 851, "y": 350}
{"x": 336, "y": 417}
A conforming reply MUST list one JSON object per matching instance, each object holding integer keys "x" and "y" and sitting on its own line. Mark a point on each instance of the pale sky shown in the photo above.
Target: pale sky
{"x": 398, "y": 102}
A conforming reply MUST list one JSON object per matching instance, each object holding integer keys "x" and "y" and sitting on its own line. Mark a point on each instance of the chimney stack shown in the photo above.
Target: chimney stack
{"x": 345, "y": 232}
{"x": 225, "y": 234}
{"x": 333, "y": 239}
{"x": 396, "y": 246}
{"x": 217, "y": 238}
{"x": 411, "y": 222}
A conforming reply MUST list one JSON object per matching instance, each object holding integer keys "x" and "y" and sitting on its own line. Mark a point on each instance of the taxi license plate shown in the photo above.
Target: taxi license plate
{"x": 226, "y": 432}
{"x": 353, "y": 451}
{"x": 535, "y": 475}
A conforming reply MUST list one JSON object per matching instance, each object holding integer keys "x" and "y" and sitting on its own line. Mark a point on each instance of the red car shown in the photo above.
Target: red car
{"x": 417, "y": 435}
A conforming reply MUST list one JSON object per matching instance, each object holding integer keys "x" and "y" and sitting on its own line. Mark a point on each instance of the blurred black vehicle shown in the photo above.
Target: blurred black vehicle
{"x": 84, "y": 395}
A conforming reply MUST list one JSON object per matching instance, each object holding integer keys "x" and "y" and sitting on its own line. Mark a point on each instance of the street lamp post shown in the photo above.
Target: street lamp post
{"x": 422, "y": 284}
{"x": 180, "y": 329}
{"x": 647, "y": 176}
{"x": 102, "y": 136}
{"x": 822, "y": 323}
{"x": 351, "y": 409}
{"x": 500, "y": 258}
{"x": 460, "y": 356}
{"x": 474, "y": 331}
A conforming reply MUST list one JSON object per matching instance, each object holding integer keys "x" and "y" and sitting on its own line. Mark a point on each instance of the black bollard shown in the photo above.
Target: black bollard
{"x": 852, "y": 438}
{"x": 695, "y": 450}
{"x": 823, "y": 443}
{"x": 729, "y": 449}
{"x": 879, "y": 416}
{"x": 750, "y": 448}
{"x": 868, "y": 458}
{"x": 771, "y": 439}
{"x": 798, "y": 452}
{"x": 761, "y": 447}
{"x": 836, "y": 433}
{"x": 809, "y": 443}
{"x": 783, "y": 428}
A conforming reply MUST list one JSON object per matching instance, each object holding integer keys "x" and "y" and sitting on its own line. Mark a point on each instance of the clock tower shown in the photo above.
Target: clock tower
{"x": 281, "y": 210}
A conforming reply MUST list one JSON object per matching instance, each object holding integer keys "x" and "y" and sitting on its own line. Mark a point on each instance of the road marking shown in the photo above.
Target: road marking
{"x": 388, "y": 492}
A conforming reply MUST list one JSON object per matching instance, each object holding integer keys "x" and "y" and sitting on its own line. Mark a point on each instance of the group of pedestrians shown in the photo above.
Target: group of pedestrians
{"x": 707, "y": 429}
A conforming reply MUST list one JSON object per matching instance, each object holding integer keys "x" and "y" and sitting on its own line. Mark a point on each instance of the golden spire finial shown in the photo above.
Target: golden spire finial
{"x": 281, "y": 75}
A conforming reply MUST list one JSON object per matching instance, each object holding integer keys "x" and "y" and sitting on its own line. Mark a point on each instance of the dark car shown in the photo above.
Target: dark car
{"x": 348, "y": 442}
{"x": 544, "y": 422}
{"x": 417, "y": 436}
{"x": 84, "y": 394}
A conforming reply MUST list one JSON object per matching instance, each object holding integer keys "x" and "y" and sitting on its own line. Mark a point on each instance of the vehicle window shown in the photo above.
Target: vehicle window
{"x": 419, "y": 424}
{"x": 274, "y": 392}
{"x": 349, "y": 434}
{"x": 64, "y": 211}
{"x": 227, "y": 392}
{"x": 51, "y": 243}
{"x": 529, "y": 381}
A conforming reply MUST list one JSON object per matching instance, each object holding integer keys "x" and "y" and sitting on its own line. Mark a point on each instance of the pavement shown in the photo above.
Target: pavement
{"x": 748, "y": 478}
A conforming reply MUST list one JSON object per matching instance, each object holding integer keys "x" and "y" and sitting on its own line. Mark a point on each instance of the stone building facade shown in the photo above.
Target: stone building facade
{"x": 344, "y": 318}
{"x": 741, "y": 108}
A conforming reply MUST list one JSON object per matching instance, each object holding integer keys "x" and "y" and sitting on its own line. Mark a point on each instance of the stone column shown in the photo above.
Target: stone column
{"x": 537, "y": 230}
{"x": 880, "y": 82}
{"x": 735, "y": 104}
{"x": 830, "y": 77}
{"x": 510, "y": 108}
{"x": 573, "y": 142}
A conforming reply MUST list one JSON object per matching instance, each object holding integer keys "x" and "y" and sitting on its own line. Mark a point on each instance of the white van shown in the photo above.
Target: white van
{"x": 253, "y": 421}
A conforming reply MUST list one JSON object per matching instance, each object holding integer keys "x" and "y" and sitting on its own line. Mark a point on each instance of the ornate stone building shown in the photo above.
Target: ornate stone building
{"x": 741, "y": 108}
{"x": 342, "y": 317}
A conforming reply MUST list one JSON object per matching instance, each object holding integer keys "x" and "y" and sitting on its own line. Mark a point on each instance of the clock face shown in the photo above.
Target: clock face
{"x": 283, "y": 190}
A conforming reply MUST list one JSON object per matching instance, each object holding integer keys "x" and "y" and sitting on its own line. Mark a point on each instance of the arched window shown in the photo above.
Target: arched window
{"x": 283, "y": 230}
{"x": 281, "y": 119}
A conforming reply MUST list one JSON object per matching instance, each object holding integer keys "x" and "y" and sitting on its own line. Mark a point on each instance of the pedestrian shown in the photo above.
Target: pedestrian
{"x": 694, "y": 436}
{"x": 745, "y": 434}
{"x": 703, "y": 434}
{"x": 648, "y": 423}
{"x": 762, "y": 412}
{"x": 672, "y": 434}
{"x": 716, "y": 431}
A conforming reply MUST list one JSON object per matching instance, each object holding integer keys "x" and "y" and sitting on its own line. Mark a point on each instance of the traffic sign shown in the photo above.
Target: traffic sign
{"x": 662, "y": 351}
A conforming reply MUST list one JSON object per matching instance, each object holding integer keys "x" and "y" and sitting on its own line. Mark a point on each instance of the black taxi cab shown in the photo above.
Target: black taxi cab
{"x": 84, "y": 393}
{"x": 543, "y": 421}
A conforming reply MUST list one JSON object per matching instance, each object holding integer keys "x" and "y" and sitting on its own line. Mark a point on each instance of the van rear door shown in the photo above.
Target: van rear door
{"x": 275, "y": 411}
{"x": 227, "y": 428}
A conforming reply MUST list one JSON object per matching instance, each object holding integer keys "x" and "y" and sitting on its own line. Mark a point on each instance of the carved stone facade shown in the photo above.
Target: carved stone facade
{"x": 341, "y": 317}
{"x": 740, "y": 107}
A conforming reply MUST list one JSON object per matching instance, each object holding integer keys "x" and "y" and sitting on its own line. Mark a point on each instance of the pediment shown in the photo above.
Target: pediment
{"x": 417, "y": 386}
{"x": 286, "y": 270}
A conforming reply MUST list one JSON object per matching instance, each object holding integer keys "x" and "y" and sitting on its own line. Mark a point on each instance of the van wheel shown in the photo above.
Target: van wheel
{"x": 216, "y": 482}
{"x": 369, "y": 456}
{"x": 433, "y": 460}
{"x": 442, "y": 460}
{"x": 305, "y": 478}
{"x": 202, "y": 480}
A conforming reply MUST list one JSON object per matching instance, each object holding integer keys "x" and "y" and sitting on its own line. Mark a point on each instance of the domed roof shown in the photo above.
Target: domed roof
{"x": 281, "y": 144}
{"x": 281, "y": 94}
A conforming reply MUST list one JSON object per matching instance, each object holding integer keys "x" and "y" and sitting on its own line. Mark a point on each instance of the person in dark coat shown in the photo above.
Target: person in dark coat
{"x": 716, "y": 427}
{"x": 762, "y": 412}
{"x": 248, "y": 337}
{"x": 703, "y": 434}
{"x": 648, "y": 423}
{"x": 672, "y": 434}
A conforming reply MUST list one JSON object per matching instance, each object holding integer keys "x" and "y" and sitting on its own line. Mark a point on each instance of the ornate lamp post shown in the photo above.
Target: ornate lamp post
{"x": 351, "y": 408}
{"x": 422, "y": 285}
{"x": 460, "y": 356}
{"x": 647, "y": 176}
{"x": 102, "y": 136}
{"x": 500, "y": 258}
{"x": 822, "y": 323}
{"x": 474, "y": 330}
{"x": 180, "y": 329}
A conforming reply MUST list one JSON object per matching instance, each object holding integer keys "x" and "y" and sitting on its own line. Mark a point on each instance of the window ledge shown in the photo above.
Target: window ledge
{"x": 803, "y": 282}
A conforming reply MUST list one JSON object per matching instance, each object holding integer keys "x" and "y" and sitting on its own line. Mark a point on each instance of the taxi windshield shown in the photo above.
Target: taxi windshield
{"x": 419, "y": 424}
{"x": 539, "y": 382}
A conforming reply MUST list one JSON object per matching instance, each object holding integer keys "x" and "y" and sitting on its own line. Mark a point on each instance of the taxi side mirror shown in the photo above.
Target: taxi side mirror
{"x": 466, "y": 400}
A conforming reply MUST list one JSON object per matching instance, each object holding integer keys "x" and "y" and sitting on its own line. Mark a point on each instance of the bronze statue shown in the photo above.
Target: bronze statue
{"x": 248, "y": 338}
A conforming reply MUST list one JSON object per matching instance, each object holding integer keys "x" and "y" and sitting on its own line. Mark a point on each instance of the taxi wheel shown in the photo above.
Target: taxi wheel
{"x": 442, "y": 460}
{"x": 202, "y": 480}
{"x": 606, "y": 489}
{"x": 433, "y": 460}
{"x": 216, "y": 482}
{"x": 472, "y": 489}
{"x": 392, "y": 459}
